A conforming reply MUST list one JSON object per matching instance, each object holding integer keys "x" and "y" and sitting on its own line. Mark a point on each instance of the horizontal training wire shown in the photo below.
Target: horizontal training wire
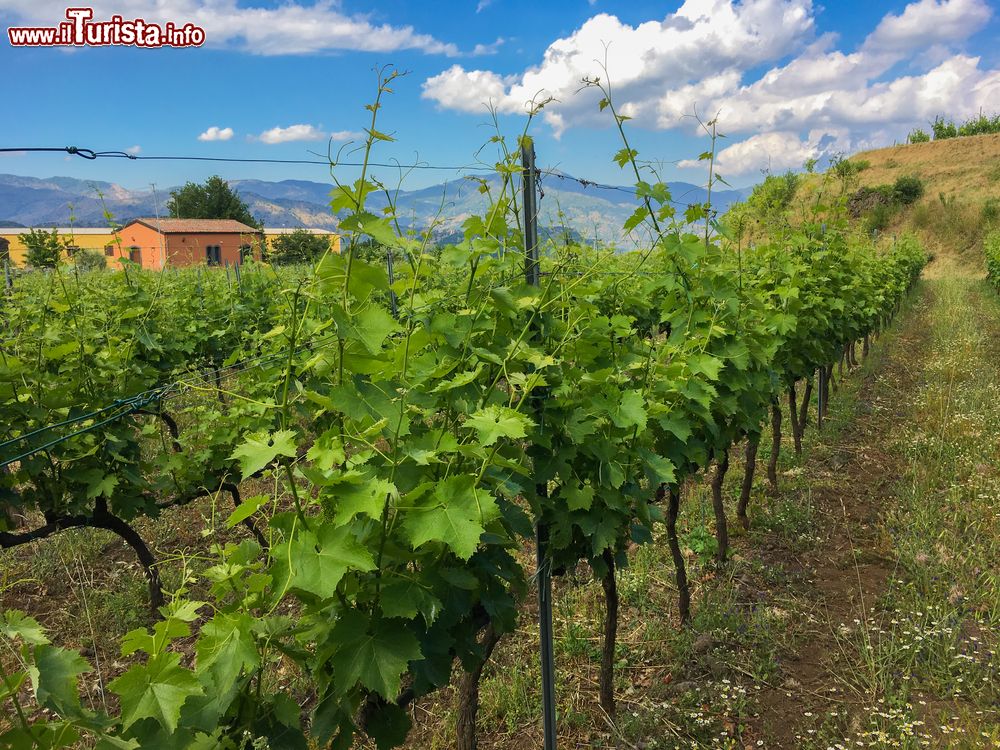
{"x": 89, "y": 428}
{"x": 92, "y": 155}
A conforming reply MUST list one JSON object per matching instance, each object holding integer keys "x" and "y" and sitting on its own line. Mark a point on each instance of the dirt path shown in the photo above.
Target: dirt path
{"x": 848, "y": 475}
{"x": 887, "y": 647}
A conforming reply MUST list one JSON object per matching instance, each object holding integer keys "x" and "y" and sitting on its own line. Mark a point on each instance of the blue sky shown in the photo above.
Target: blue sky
{"x": 790, "y": 79}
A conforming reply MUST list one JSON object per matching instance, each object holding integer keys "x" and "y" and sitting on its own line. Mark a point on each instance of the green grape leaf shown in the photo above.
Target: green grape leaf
{"x": 405, "y": 598}
{"x": 374, "y": 653}
{"x": 246, "y": 509}
{"x": 630, "y": 411}
{"x": 226, "y": 646}
{"x": 327, "y": 451}
{"x": 579, "y": 498}
{"x": 454, "y": 514}
{"x": 156, "y": 642}
{"x": 389, "y": 725}
{"x": 368, "y": 497}
{"x": 155, "y": 690}
{"x": 372, "y": 326}
{"x": 54, "y": 672}
{"x": 261, "y": 448}
{"x": 315, "y": 562}
{"x": 495, "y": 422}
{"x": 16, "y": 625}
{"x": 579, "y": 426}
{"x": 658, "y": 469}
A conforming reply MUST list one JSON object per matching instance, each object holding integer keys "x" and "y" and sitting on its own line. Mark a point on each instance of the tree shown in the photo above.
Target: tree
{"x": 213, "y": 200}
{"x": 917, "y": 135}
{"x": 44, "y": 248}
{"x": 299, "y": 246}
{"x": 90, "y": 260}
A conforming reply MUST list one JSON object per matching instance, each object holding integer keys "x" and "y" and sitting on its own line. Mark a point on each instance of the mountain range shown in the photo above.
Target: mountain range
{"x": 584, "y": 210}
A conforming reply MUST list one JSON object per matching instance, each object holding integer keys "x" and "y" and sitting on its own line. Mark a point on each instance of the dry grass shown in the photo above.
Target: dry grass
{"x": 962, "y": 185}
{"x": 967, "y": 167}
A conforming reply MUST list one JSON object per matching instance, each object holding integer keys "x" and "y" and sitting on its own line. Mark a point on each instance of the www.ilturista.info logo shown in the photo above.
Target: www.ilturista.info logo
{"x": 79, "y": 30}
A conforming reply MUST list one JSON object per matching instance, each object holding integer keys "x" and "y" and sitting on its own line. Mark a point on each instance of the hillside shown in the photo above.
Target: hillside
{"x": 961, "y": 199}
{"x": 970, "y": 165}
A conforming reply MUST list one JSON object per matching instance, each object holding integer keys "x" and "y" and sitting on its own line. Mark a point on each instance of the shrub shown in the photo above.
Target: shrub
{"x": 990, "y": 211}
{"x": 943, "y": 129}
{"x": 980, "y": 125}
{"x": 922, "y": 216}
{"x": 908, "y": 189}
{"x": 918, "y": 135}
{"x": 879, "y": 217}
{"x": 991, "y": 246}
{"x": 299, "y": 246}
{"x": 44, "y": 248}
{"x": 90, "y": 260}
{"x": 775, "y": 193}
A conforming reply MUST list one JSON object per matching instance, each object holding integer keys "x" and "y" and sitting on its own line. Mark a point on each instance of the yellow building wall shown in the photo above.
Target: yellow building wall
{"x": 18, "y": 251}
{"x": 334, "y": 241}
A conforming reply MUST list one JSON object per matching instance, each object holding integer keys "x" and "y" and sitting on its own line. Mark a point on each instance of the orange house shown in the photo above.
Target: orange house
{"x": 158, "y": 243}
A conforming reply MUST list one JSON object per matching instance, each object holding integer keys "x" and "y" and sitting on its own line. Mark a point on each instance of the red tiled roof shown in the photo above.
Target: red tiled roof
{"x": 195, "y": 226}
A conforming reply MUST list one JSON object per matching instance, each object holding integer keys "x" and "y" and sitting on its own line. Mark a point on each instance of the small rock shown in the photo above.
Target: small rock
{"x": 703, "y": 643}
{"x": 791, "y": 684}
{"x": 716, "y": 668}
{"x": 675, "y": 689}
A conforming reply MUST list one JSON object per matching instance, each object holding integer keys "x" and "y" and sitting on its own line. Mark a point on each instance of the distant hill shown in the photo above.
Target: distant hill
{"x": 583, "y": 211}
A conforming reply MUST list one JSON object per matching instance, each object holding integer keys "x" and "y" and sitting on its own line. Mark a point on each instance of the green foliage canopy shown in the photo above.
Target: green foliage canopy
{"x": 45, "y": 249}
{"x": 299, "y": 246}
{"x": 214, "y": 199}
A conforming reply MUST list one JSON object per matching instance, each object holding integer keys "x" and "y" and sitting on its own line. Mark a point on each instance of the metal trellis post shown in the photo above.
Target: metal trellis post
{"x": 392, "y": 278}
{"x": 532, "y": 276}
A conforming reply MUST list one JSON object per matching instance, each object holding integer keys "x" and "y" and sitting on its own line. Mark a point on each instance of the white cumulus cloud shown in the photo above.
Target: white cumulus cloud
{"x": 928, "y": 22}
{"x": 303, "y": 132}
{"x": 812, "y": 99}
{"x": 215, "y": 133}
{"x": 700, "y": 39}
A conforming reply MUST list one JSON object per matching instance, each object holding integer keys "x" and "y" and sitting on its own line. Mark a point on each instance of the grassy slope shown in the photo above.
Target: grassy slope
{"x": 969, "y": 165}
{"x": 961, "y": 177}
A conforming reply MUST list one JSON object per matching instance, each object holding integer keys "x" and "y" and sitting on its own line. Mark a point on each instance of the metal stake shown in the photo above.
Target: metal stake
{"x": 532, "y": 276}
{"x": 392, "y": 278}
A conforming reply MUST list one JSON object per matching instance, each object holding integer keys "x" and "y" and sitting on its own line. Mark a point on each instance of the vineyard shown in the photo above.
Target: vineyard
{"x": 385, "y": 449}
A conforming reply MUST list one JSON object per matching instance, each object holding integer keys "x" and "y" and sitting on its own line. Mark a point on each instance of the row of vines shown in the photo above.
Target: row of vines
{"x": 408, "y": 437}
{"x": 991, "y": 247}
